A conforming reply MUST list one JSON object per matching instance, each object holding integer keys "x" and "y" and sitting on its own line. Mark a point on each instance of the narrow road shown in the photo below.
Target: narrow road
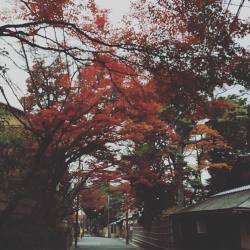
{"x": 96, "y": 243}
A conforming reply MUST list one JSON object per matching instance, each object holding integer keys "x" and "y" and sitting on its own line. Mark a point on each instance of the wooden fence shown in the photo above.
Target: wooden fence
{"x": 159, "y": 236}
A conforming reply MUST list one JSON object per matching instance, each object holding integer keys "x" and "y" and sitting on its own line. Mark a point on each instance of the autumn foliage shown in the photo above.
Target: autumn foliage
{"x": 93, "y": 199}
{"x": 149, "y": 85}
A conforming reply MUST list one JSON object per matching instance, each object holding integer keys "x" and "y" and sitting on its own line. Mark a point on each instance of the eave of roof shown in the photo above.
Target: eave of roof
{"x": 238, "y": 189}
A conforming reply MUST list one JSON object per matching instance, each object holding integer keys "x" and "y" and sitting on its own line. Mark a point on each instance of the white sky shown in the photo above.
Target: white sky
{"x": 118, "y": 8}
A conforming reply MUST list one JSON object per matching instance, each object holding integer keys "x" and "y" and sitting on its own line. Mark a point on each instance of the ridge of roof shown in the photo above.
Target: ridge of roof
{"x": 234, "y": 190}
{"x": 6, "y": 106}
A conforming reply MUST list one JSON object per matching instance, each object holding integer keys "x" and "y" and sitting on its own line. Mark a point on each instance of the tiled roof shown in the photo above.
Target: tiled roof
{"x": 238, "y": 198}
{"x": 14, "y": 109}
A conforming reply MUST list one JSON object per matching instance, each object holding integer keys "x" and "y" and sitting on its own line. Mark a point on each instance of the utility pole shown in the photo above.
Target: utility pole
{"x": 76, "y": 221}
{"x": 76, "y": 234}
{"x": 109, "y": 233}
{"x": 127, "y": 226}
{"x": 248, "y": 129}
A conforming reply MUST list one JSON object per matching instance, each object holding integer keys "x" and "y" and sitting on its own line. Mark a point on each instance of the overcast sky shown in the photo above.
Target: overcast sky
{"x": 118, "y": 8}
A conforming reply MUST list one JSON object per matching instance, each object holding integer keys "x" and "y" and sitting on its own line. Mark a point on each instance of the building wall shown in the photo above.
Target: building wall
{"x": 12, "y": 157}
{"x": 221, "y": 231}
{"x": 245, "y": 234}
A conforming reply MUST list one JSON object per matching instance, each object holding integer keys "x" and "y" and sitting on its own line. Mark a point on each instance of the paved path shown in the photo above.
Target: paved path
{"x": 96, "y": 243}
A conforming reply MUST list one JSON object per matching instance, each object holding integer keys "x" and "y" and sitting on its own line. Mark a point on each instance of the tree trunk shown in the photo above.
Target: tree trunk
{"x": 180, "y": 163}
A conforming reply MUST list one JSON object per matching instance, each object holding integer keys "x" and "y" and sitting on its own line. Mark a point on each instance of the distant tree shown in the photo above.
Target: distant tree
{"x": 106, "y": 203}
{"x": 150, "y": 179}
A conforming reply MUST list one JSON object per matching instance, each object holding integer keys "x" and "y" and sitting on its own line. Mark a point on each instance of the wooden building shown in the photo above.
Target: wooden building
{"x": 12, "y": 154}
{"x": 220, "y": 222}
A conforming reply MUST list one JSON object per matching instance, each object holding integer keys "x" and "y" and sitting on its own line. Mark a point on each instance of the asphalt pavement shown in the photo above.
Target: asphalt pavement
{"x": 96, "y": 243}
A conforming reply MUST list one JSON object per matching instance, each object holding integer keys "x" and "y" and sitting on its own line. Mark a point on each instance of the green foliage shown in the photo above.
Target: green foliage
{"x": 241, "y": 107}
{"x": 153, "y": 199}
{"x": 234, "y": 127}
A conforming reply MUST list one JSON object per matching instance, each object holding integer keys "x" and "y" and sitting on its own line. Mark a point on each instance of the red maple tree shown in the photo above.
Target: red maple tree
{"x": 189, "y": 49}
